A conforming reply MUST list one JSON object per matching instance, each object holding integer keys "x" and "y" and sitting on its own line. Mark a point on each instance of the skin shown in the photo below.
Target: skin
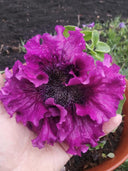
{"x": 17, "y": 152}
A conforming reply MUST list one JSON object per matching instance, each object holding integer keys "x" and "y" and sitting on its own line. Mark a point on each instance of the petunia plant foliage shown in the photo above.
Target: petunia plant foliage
{"x": 66, "y": 90}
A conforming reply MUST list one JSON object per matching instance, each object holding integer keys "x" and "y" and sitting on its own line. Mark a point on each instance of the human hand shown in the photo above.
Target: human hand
{"x": 18, "y": 154}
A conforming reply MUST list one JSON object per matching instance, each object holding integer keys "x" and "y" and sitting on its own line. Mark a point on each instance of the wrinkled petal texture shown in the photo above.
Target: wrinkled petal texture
{"x": 107, "y": 87}
{"x": 56, "y": 48}
{"x": 82, "y": 133}
{"x": 79, "y": 124}
{"x": 22, "y": 97}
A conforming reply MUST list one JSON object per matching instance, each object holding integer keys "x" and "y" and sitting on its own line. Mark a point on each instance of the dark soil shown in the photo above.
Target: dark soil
{"x": 93, "y": 158}
{"x": 22, "y": 19}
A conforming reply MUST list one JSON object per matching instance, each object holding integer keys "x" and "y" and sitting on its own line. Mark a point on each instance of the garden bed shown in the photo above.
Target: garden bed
{"x": 20, "y": 20}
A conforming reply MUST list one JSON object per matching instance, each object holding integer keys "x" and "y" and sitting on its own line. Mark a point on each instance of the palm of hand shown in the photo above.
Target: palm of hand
{"x": 17, "y": 152}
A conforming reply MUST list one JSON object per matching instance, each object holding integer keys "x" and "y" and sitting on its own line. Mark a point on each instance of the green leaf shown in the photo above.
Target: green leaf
{"x": 120, "y": 107}
{"x": 88, "y": 35}
{"x": 1, "y": 72}
{"x": 93, "y": 54}
{"x": 21, "y": 47}
{"x": 95, "y": 37}
{"x": 104, "y": 155}
{"x": 102, "y": 47}
{"x": 99, "y": 56}
{"x": 100, "y": 145}
{"x": 68, "y": 28}
{"x": 111, "y": 155}
{"x": 89, "y": 47}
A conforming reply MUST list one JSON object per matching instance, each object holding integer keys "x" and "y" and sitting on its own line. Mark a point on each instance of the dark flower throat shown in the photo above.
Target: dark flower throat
{"x": 62, "y": 94}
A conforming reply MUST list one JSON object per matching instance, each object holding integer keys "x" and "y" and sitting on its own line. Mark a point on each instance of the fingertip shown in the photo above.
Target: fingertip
{"x": 1, "y": 81}
{"x": 112, "y": 124}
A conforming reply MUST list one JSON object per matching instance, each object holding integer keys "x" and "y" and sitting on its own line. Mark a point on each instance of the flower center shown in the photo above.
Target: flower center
{"x": 63, "y": 95}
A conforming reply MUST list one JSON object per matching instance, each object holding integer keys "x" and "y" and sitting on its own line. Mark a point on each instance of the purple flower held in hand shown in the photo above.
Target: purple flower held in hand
{"x": 61, "y": 93}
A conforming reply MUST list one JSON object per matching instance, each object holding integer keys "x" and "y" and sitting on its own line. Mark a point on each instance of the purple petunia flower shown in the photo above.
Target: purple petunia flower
{"x": 61, "y": 93}
{"x": 91, "y": 25}
{"x": 122, "y": 25}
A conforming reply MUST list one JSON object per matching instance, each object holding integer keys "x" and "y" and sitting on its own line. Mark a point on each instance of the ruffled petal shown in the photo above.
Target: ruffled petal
{"x": 51, "y": 130}
{"x": 22, "y": 97}
{"x": 56, "y": 108}
{"x": 65, "y": 48}
{"x": 36, "y": 48}
{"x": 57, "y": 49}
{"x": 46, "y": 134}
{"x": 83, "y": 64}
{"x": 34, "y": 44}
{"x": 61, "y": 113}
{"x": 74, "y": 45}
{"x": 107, "y": 87}
{"x": 107, "y": 60}
{"x": 84, "y": 131}
{"x": 34, "y": 75}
